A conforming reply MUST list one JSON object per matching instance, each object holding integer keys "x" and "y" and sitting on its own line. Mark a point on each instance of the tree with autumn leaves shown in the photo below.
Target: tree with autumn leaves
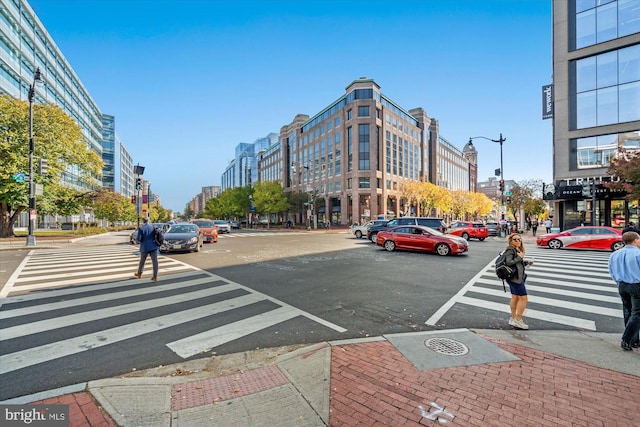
{"x": 626, "y": 166}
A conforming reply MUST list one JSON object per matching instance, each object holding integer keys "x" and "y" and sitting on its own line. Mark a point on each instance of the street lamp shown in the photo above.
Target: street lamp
{"x": 31, "y": 239}
{"x": 499, "y": 141}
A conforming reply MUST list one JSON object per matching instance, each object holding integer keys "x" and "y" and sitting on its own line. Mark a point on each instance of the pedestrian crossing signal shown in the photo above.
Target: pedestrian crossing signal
{"x": 133, "y": 199}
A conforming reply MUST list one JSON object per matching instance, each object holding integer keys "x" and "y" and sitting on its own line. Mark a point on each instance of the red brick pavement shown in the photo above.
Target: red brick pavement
{"x": 372, "y": 384}
{"x": 84, "y": 411}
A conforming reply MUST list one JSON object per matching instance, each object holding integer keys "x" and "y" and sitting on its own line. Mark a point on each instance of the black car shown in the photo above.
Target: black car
{"x": 182, "y": 237}
{"x": 494, "y": 228}
{"x": 435, "y": 223}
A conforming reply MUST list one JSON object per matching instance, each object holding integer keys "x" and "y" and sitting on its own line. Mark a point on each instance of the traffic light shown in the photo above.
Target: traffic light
{"x": 586, "y": 190}
{"x": 502, "y": 185}
{"x": 508, "y": 199}
{"x": 133, "y": 199}
{"x": 43, "y": 167}
{"x": 138, "y": 183}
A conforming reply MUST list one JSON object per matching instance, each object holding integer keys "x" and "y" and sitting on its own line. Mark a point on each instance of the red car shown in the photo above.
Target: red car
{"x": 469, "y": 230}
{"x": 587, "y": 237}
{"x": 419, "y": 238}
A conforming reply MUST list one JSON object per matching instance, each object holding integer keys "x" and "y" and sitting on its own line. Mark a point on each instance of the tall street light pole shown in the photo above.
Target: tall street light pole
{"x": 31, "y": 238}
{"x": 499, "y": 141}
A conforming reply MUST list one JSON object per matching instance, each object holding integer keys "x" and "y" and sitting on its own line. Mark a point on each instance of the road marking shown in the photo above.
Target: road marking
{"x": 198, "y": 343}
{"x": 32, "y": 356}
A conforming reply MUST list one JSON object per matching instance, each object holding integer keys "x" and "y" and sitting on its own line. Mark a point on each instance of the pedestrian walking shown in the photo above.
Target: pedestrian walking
{"x": 534, "y": 226}
{"x": 148, "y": 247}
{"x": 548, "y": 223}
{"x": 514, "y": 257}
{"x": 624, "y": 268}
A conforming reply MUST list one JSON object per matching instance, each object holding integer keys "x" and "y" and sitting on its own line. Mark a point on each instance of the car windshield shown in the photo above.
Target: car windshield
{"x": 182, "y": 229}
{"x": 205, "y": 224}
{"x": 220, "y": 222}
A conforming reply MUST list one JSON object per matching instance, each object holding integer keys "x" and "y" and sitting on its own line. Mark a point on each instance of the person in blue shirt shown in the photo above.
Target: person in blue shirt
{"x": 148, "y": 247}
{"x": 624, "y": 268}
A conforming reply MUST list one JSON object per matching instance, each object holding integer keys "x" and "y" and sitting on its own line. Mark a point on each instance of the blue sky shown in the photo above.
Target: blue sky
{"x": 188, "y": 80}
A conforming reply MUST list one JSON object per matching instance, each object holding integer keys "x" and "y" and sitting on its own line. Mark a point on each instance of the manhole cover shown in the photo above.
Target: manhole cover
{"x": 446, "y": 346}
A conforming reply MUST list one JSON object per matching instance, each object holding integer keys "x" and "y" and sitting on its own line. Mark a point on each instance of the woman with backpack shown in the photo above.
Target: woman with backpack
{"x": 514, "y": 257}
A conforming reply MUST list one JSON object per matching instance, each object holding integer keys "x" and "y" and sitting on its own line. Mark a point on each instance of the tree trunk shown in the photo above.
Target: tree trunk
{"x": 7, "y": 220}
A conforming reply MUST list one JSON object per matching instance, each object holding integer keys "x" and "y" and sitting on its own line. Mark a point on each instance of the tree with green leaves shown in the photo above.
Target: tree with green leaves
{"x": 57, "y": 139}
{"x": 111, "y": 206}
{"x": 269, "y": 198}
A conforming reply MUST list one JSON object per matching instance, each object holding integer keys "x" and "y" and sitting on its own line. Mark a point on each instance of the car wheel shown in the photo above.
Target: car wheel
{"x": 481, "y": 238}
{"x": 374, "y": 236}
{"x": 554, "y": 244}
{"x": 358, "y": 234}
{"x": 616, "y": 246}
{"x": 443, "y": 249}
{"x": 390, "y": 245}
{"x": 465, "y": 236}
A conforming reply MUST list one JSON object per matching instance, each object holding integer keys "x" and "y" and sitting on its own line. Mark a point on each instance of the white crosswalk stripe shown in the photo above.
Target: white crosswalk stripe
{"x": 565, "y": 287}
{"x": 53, "y": 268}
{"x": 93, "y": 316}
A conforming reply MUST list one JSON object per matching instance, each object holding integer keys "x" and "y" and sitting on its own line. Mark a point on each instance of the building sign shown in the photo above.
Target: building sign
{"x": 547, "y": 102}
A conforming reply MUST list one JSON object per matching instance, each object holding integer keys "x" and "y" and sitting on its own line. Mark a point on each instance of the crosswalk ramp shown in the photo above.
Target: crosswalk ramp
{"x": 198, "y": 310}
{"x": 567, "y": 288}
{"x": 54, "y": 268}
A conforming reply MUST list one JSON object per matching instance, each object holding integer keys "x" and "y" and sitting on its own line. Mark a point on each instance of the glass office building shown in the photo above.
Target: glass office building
{"x": 596, "y": 79}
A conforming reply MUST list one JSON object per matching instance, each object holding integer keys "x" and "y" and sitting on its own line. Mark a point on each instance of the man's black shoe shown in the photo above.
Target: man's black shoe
{"x": 635, "y": 345}
{"x": 625, "y": 346}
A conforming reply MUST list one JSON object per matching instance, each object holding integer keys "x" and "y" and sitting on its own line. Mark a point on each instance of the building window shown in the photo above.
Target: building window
{"x": 349, "y": 114}
{"x": 604, "y": 20}
{"x": 598, "y": 151}
{"x": 607, "y": 89}
{"x": 363, "y": 111}
{"x": 349, "y": 149}
{"x": 364, "y": 147}
{"x": 364, "y": 182}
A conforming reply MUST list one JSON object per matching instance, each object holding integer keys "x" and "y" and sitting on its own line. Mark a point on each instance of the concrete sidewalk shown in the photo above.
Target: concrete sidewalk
{"x": 454, "y": 377}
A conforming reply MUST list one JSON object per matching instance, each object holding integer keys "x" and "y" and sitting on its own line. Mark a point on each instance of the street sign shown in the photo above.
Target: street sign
{"x": 503, "y": 209}
{"x": 507, "y": 193}
{"x": 20, "y": 177}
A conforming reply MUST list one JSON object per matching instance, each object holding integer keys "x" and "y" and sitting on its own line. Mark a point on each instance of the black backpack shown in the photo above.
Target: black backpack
{"x": 503, "y": 271}
{"x": 158, "y": 236}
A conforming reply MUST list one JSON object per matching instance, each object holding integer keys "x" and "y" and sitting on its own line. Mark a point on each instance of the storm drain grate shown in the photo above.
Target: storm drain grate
{"x": 446, "y": 346}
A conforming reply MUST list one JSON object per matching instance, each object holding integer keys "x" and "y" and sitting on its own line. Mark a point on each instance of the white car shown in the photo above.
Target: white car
{"x": 223, "y": 226}
{"x": 361, "y": 230}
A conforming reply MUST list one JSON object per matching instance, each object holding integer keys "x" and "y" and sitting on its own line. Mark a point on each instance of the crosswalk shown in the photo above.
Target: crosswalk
{"x": 105, "y": 307}
{"x": 244, "y": 235}
{"x": 568, "y": 288}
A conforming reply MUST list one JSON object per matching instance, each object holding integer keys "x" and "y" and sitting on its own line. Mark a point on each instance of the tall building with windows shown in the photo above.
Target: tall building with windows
{"x": 596, "y": 108}
{"x": 352, "y": 157}
{"x": 25, "y": 46}
{"x": 243, "y": 169}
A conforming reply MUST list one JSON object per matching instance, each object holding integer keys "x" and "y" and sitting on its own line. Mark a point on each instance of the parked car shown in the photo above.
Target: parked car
{"x": 223, "y": 226}
{"x": 493, "y": 228}
{"x": 361, "y": 230}
{"x": 588, "y": 237}
{"x": 420, "y": 238}
{"x": 208, "y": 228}
{"x": 435, "y": 223}
{"x": 182, "y": 237}
{"x": 134, "y": 234}
{"x": 469, "y": 230}
{"x": 234, "y": 224}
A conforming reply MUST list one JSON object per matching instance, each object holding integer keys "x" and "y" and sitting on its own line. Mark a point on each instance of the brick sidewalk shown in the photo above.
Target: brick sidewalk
{"x": 83, "y": 410}
{"x": 373, "y": 384}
